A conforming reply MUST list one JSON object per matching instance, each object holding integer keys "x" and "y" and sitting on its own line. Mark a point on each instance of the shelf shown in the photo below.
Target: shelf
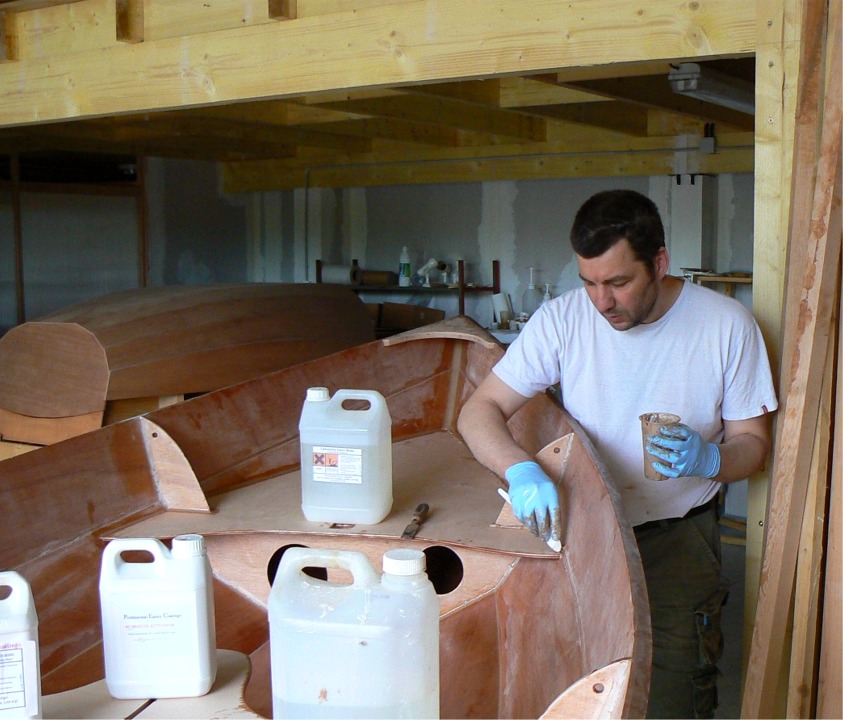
{"x": 461, "y": 288}
{"x": 727, "y": 280}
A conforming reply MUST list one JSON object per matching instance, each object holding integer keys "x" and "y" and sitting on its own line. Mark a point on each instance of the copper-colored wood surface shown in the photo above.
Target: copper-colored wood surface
{"x": 519, "y": 623}
{"x": 57, "y": 373}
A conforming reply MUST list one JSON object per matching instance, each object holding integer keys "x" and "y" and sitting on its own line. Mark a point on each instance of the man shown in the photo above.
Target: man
{"x": 634, "y": 340}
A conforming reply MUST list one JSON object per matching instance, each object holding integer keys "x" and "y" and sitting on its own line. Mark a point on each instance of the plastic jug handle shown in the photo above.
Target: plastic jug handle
{"x": 295, "y": 559}
{"x": 112, "y": 552}
{"x": 375, "y": 399}
{"x": 20, "y": 594}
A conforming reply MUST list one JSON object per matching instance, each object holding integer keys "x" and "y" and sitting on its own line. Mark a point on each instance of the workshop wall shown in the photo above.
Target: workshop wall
{"x": 523, "y": 224}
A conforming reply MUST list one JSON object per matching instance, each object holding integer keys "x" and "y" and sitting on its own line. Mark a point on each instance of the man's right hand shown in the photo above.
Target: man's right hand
{"x": 535, "y": 500}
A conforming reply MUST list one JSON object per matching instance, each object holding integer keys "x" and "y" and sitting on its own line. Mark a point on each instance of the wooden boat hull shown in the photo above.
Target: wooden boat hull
{"x": 58, "y": 374}
{"x": 524, "y": 631}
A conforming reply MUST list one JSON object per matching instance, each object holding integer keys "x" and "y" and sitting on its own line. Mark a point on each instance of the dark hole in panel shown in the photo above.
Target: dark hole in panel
{"x": 444, "y": 568}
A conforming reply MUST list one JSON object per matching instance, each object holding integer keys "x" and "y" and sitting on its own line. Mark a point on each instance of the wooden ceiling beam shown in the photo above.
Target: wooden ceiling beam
{"x": 389, "y": 45}
{"x": 206, "y": 123}
{"x": 653, "y": 91}
{"x": 262, "y": 175}
{"x": 445, "y": 112}
{"x": 595, "y": 154}
{"x": 524, "y": 92}
{"x": 409, "y": 132}
{"x": 612, "y": 116}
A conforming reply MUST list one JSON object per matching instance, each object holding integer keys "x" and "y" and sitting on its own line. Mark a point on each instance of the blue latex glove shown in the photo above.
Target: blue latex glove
{"x": 684, "y": 451}
{"x": 535, "y": 500}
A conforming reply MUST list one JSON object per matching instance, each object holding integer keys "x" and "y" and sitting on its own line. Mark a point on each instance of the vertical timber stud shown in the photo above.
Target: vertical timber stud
{"x": 129, "y": 21}
{"x": 777, "y": 66}
{"x": 282, "y": 9}
{"x": 8, "y": 36}
{"x": 796, "y": 429}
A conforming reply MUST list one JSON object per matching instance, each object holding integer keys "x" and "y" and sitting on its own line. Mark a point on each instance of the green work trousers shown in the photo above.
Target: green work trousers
{"x": 681, "y": 560}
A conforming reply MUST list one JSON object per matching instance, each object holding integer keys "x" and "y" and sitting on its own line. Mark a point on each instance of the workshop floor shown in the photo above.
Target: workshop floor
{"x": 729, "y": 682}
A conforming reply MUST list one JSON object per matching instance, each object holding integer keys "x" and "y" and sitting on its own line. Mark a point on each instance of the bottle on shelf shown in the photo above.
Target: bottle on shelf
{"x": 547, "y": 295}
{"x": 404, "y": 271}
{"x": 531, "y": 299}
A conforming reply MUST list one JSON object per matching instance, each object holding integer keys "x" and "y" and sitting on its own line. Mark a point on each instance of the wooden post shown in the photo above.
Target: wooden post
{"x": 829, "y": 689}
{"x": 797, "y": 426}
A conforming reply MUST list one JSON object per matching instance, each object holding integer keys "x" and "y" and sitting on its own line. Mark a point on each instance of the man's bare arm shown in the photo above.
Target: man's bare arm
{"x": 745, "y": 448}
{"x": 482, "y": 424}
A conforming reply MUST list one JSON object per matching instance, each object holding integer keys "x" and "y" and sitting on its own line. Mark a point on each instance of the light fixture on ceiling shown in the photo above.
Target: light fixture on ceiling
{"x": 712, "y": 86}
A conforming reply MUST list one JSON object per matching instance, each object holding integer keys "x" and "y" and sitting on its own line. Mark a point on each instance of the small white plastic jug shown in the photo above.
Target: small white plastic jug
{"x": 158, "y": 631}
{"x": 20, "y": 665}
{"x": 365, "y": 650}
{"x": 346, "y": 457}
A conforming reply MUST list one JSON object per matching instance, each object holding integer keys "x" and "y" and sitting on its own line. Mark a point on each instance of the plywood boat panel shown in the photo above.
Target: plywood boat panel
{"x": 598, "y": 694}
{"x": 469, "y": 652}
{"x": 63, "y": 492}
{"x": 94, "y": 701}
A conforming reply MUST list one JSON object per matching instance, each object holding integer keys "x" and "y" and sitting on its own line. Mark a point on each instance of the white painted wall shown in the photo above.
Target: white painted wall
{"x": 522, "y": 224}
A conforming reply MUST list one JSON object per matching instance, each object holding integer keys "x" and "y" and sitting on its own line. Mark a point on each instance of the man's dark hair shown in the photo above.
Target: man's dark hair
{"x": 612, "y": 215}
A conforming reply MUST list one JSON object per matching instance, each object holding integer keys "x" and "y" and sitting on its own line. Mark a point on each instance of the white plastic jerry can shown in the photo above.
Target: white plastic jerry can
{"x": 346, "y": 457}
{"x": 159, "y": 636}
{"x": 365, "y": 650}
{"x": 20, "y": 665}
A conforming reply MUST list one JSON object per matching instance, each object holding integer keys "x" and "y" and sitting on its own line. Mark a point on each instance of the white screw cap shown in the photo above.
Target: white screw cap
{"x": 318, "y": 394}
{"x": 404, "y": 561}
{"x": 188, "y": 546}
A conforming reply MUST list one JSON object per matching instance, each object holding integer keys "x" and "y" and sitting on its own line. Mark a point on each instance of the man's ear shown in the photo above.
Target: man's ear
{"x": 662, "y": 262}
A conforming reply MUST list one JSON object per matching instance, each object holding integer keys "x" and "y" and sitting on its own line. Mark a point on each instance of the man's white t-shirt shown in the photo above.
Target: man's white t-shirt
{"x": 704, "y": 360}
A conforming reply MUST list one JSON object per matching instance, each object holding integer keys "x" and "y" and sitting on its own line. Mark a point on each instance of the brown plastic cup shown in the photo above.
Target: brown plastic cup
{"x": 650, "y": 425}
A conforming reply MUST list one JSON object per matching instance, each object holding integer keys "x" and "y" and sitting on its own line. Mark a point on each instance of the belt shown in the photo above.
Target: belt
{"x": 693, "y": 512}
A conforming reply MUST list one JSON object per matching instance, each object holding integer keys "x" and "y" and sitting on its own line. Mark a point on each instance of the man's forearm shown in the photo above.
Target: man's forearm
{"x": 484, "y": 430}
{"x": 741, "y": 456}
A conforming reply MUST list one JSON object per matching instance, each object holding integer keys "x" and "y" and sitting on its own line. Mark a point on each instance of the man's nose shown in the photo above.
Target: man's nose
{"x": 604, "y": 299}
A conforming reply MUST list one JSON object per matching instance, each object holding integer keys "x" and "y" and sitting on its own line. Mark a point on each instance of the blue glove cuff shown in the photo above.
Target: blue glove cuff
{"x": 711, "y": 464}
{"x": 521, "y": 471}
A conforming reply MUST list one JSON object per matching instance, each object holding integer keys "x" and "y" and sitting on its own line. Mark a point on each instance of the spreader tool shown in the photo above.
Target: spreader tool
{"x": 418, "y": 518}
{"x": 555, "y": 545}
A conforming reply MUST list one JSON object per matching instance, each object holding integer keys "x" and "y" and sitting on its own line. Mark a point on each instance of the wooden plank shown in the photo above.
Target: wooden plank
{"x": 8, "y": 36}
{"x": 165, "y": 19}
{"x": 807, "y": 616}
{"x": 778, "y": 77}
{"x": 130, "y": 20}
{"x": 445, "y": 111}
{"x": 265, "y": 175}
{"x": 829, "y": 687}
{"x": 797, "y": 426}
{"x": 436, "y": 40}
{"x": 65, "y": 29}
